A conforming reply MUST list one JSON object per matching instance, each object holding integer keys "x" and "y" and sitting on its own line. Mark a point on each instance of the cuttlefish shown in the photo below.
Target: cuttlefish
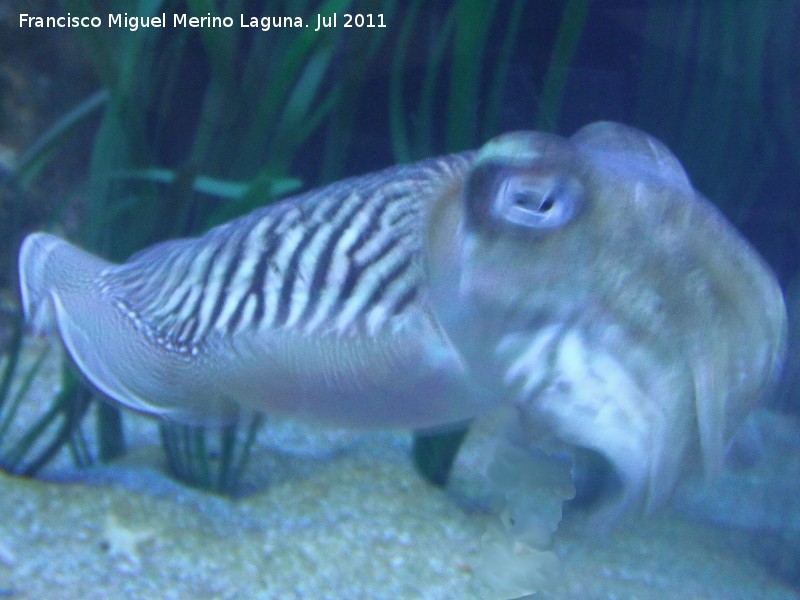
{"x": 581, "y": 280}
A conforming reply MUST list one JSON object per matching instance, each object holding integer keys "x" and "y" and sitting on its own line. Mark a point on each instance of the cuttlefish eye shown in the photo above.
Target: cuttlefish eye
{"x": 524, "y": 182}
{"x": 538, "y": 202}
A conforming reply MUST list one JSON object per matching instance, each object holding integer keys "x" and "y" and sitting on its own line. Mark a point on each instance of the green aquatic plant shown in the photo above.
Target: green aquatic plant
{"x": 210, "y": 459}
{"x": 702, "y": 89}
{"x": 464, "y": 80}
{"x": 26, "y": 449}
{"x": 569, "y": 33}
{"x": 434, "y": 453}
{"x": 457, "y": 43}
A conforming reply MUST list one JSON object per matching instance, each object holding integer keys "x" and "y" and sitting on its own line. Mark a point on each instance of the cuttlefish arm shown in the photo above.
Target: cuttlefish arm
{"x": 582, "y": 280}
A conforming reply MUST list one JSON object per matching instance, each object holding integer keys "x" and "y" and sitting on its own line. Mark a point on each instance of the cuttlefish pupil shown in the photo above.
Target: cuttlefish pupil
{"x": 582, "y": 280}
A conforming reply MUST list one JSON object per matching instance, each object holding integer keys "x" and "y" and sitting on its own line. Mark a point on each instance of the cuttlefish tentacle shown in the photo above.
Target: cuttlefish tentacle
{"x": 581, "y": 280}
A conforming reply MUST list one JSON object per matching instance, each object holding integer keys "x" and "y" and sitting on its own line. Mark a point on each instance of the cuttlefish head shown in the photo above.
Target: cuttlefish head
{"x": 589, "y": 283}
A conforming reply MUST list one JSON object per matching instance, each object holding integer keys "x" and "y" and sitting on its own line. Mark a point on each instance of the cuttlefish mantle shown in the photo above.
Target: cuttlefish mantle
{"x": 582, "y": 280}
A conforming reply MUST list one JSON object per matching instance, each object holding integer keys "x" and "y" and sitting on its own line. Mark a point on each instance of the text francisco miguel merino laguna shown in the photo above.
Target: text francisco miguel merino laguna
{"x": 126, "y": 21}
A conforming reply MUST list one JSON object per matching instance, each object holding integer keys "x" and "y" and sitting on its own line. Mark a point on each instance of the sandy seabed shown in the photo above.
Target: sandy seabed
{"x": 360, "y": 524}
{"x": 334, "y": 515}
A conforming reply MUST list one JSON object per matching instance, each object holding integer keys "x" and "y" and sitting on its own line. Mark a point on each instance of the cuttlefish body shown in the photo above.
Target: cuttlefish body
{"x": 582, "y": 280}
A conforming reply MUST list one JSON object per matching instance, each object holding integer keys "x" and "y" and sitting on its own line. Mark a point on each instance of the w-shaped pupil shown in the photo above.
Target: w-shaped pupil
{"x": 530, "y": 200}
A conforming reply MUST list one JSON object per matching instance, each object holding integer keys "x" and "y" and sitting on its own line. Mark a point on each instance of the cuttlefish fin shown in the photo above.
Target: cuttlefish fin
{"x": 62, "y": 290}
